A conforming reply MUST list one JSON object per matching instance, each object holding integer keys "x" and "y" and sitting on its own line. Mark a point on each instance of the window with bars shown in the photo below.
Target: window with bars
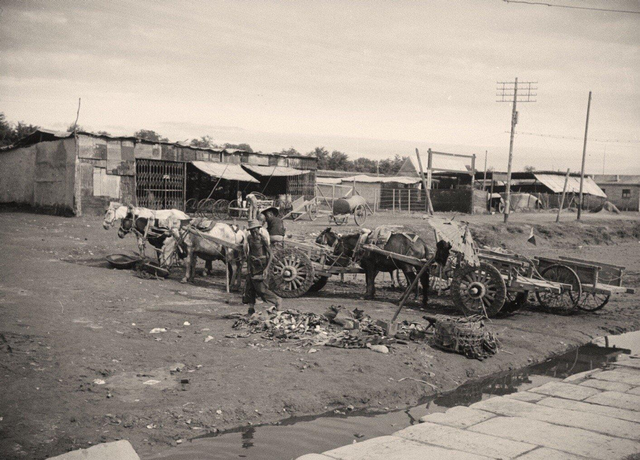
{"x": 160, "y": 184}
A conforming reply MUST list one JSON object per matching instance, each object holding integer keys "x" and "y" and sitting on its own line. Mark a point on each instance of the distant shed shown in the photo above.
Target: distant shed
{"x": 623, "y": 190}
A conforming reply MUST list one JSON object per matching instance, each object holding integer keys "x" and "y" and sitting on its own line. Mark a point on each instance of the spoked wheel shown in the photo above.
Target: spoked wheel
{"x": 206, "y": 208}
{"x": 360, "y": 215}
{"x": 220, "y": 208}
{"x": 292, "y": 273}
{"x": 312, "y": 211}
{"x": 479, "y": 290}
{"x": 191, "y": 206}
{"x": 515, "y": 301}
{"x": 593, "y": 301}
{"x": 318, "y": 283}
{"x": 567, "y": 300}
{"x": 234, "y": 209}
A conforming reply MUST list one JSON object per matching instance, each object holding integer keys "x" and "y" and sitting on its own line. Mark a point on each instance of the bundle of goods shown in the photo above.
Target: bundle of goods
{"x": 468, "y": 336}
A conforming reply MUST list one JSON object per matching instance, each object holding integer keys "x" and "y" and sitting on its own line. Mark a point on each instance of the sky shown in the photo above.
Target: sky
{"x": 370, "y": 78}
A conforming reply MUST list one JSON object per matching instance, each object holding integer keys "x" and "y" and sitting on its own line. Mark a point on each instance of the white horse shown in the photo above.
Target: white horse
{"x": 147, "y": 225}
{"x": 199, "y": 246}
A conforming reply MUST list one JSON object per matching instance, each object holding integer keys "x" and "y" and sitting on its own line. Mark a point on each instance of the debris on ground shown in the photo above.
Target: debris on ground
{"x": 468, "y": 336}
{"x": 157, "y": 330}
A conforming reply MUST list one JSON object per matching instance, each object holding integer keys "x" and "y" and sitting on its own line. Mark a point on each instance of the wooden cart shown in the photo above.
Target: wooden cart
{"x": 355, "y": 205}
{"x": 597, "y": 281}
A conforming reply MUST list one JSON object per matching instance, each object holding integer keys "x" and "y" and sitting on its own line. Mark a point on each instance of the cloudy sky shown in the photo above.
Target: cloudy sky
{"x": 371, "y": 78}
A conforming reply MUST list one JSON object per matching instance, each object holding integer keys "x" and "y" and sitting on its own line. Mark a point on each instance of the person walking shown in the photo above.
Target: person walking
{"x": 258, "y": 254}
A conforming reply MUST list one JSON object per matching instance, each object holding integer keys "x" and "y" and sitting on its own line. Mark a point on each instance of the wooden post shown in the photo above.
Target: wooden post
{"x": 226, "y": 260}
{"x": 426, "y": 183}
{"x": 484, "y": 180}
{"x": 564, "y": 190}
{"x": 514, "y": 120}
{"x": 410, "y": 288}
{"x": 584, "y": 155}
{"x": 394, "y": 200}
{"x": 409, "y": 200}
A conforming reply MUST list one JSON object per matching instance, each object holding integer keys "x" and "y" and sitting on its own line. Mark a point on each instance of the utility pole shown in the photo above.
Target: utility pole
{"x": 504, "y": 93}
{"x": 584, "y": 156}
{"x": 484, "y": 180}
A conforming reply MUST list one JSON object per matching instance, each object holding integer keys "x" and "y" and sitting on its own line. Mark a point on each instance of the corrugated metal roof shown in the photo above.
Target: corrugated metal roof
{"x": 555, "y": 182}
{"x": 384, "y": 179}
{"x": 275, "y": 171}
{"x": 226, "y": 171}
{"x": 328, "y": 180}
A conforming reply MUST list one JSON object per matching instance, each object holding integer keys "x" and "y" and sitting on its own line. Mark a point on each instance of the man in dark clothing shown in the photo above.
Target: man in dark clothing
{"x": 258, "y": 256}
{"x": 275, "y": 225}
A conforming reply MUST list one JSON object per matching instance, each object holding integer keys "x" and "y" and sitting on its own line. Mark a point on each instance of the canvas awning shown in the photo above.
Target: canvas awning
{"x": 555, "y": 182}
{"x": 375, "y": 179}
{"x": 275, "y": 171}
{"x": 226, "y": 171}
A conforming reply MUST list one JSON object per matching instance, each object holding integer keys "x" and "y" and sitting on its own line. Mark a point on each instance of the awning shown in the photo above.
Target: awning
{"x": 383, "y": 179}
{"x": 275, "y": 171}
{"x": 556, "y": 183}
{"x": 226, "y": 171}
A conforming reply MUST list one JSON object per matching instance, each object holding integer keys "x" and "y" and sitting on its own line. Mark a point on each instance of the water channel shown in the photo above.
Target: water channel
{"x": 297, "y": 436}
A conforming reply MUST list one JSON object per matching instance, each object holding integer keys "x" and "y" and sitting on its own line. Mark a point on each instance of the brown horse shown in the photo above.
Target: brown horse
{"x": 405, "y": 243}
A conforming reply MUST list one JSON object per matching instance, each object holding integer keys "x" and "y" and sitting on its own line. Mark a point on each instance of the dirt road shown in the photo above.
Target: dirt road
{"x": 79, "y": 362}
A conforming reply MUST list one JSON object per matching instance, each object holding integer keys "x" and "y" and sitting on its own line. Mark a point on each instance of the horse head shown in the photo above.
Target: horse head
{"x": 443, "y": 249}
{"x": 114, "y": 212}
{"x": 328, "y": 237}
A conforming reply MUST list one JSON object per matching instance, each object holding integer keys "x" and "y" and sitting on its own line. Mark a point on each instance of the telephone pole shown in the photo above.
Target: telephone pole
{"x": 507, "y": 91}
{"x": 584, "y": 156}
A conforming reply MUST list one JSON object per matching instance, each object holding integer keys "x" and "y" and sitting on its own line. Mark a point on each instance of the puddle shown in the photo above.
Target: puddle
{"x": 302, "y": 435}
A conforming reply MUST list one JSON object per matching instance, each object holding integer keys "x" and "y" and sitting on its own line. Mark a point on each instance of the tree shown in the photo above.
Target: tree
{"x": 205, "y": 142}
{"x": 529, "y": 168}
{"x": 322, "y": 155}
{"x": 289, "y": 151}
{"x": 364, "y": 165}
{"x": 103, "y": 133}
{"x": 72, "y": 126}
{"x": 243, "y": 146}
{"x": 6, "y": 131}
{"x": 150, "y": 135}
{"x": 339, "y": 161}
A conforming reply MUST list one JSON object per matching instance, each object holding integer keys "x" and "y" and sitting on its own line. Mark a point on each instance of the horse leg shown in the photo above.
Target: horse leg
{"x": 424, "y": 280}
{"x": 208, "y": 267}
{"x": 371, "y": 273}
{"x": 409, "y": 275}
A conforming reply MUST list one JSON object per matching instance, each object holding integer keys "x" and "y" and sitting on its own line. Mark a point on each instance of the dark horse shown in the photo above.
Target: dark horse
{"x": 405, "y": 243}
{"x": 158, "y": 237}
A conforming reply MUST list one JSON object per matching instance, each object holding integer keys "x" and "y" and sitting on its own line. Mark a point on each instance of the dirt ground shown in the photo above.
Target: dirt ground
{"x": 69, "y": 322}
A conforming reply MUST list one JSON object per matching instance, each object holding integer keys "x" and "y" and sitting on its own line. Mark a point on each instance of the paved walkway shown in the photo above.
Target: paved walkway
{"x": 595, "y": 414}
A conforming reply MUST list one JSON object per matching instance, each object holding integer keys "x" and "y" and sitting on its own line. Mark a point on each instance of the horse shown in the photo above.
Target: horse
{"x": 147, "y": 225}
{"x": 199, "y": 246}
{"x": 346, "y": 249}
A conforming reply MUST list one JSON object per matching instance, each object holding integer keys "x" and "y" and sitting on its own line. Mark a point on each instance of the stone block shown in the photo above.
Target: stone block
{"x": 632, "y": 363}
{"x": 613, "y": 412}
{"x": 565, "y": 390}
{"x": 621, "y": 375}
{"x": 457, "y": 417}
{"x": 464, "y": 440}
{"x": 587, "y": 421}
{"x": 121, "y": 450}
{"x": 567, "y": 439}
{"x": 606, "y": 385}
{"x": 314, "y": 457}
{"x": 581, "y": 375}
{"x": 615, "y": 399}
{"x": 544, "y": 453}
{"x": 395, "y": 448}
{"x": 526, "y": 396}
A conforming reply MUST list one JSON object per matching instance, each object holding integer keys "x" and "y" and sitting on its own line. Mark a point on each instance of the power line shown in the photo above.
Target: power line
{"x": 557, "y": 136}
{"x": 572, "y": 7}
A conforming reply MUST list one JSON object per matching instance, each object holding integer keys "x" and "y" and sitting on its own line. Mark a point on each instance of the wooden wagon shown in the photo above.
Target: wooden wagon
{"x": 354, "y": 205}
{"x": 594, "y": 282}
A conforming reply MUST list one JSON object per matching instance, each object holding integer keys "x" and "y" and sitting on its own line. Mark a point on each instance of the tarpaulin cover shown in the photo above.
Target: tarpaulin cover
{"x": 556, "y": 183}
{"x": 347, "y": 205}
{"x": 458, "y": 235}
{"x": 275, "y": 171}
{"x": 374, "y": 179}
{"x": 224, "y": 170}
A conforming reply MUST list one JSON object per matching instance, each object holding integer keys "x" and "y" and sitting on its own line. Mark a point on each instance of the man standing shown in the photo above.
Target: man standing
{"x": 258, "y": 256}
{"x": 275, "y": 225}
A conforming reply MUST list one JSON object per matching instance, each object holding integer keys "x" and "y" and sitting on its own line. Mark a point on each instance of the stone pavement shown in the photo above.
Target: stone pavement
{"x": 595, "y": 414}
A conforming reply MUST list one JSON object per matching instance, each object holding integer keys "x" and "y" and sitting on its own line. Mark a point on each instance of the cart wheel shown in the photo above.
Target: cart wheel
{"x": 292, "y": 273}
{"x": 360, "y": 215}
{"x": 592, "y": 301}
{"x": 191, "y": 206}
{"x": 566, "y": 301}
{"x": 479, "y": 290}
{"x": 199, "y": 207}
{"x": 221, "y": 208}
{"x": 234, "y": 213}
{"x": 515, "y": 301}
{"x": 206, "y": 208}
{"x": 312, "y": 210}
{"x": 501, "y": 208}
{"x": 318, "y": 283}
